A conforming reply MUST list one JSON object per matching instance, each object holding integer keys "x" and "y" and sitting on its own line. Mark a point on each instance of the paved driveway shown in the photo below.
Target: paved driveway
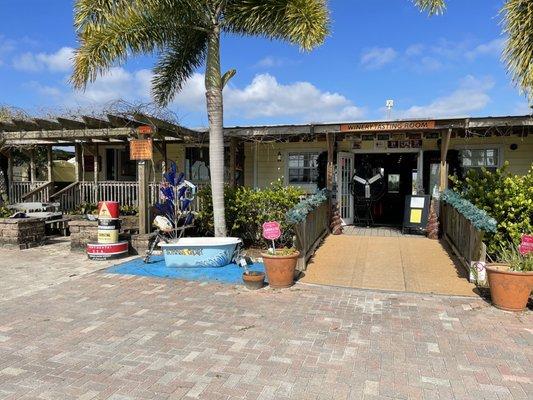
{"x": 104, "y": 336}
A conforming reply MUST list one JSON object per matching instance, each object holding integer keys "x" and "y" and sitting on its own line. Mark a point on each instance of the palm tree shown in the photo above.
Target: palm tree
{"x": 184, "y": 34}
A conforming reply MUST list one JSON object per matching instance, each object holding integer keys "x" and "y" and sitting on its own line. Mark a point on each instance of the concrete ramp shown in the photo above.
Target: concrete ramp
{"x": 401, "y": 263}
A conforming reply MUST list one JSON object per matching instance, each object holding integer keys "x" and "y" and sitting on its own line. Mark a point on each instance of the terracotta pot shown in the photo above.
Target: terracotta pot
{"x": 280, "y": 269}
{"x": 254, "y": 280}
{"x": 509, "y": 290}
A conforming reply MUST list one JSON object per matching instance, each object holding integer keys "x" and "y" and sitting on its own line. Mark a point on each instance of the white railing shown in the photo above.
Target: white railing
{"x": 125, "y": 192}
{"x": 68, "y": 197}
{"x": 21, "y": 188}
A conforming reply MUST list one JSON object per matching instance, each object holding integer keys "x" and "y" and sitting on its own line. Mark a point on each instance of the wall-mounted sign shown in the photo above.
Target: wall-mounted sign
{"x": 145, "y": 130}
{"x": 141, "y": 149}
{"x": 387, "y": 126}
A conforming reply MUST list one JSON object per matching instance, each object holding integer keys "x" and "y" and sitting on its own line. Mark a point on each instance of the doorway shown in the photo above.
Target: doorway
{"x": 372, "y": 186}
{"x": 398, "y": 176}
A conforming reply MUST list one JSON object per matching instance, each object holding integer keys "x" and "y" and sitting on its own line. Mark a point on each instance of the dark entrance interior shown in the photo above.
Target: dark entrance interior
{"x": 387, "y": 194}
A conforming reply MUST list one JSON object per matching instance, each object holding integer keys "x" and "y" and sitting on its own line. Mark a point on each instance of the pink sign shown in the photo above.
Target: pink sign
{"x": 526, "y": 246}
{"x": 271, "y": 230}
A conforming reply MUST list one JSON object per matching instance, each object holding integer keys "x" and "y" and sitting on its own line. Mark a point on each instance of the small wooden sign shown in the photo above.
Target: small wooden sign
{"x": 141, "y": 149}
{"x": 145, "y": 130}
{"x": 271, "y": 230}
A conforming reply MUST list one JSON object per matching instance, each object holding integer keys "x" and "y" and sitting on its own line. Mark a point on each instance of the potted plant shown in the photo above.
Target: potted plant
{"x": 511, "y": 279}
{"x": 253, "y": 280}
{"x": 280, "y": 266}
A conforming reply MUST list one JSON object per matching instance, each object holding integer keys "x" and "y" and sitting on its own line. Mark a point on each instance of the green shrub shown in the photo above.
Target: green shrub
{"x": 505, "y": 197}
{"x": 5, "y": 212}
{"x": 247, "y": 209}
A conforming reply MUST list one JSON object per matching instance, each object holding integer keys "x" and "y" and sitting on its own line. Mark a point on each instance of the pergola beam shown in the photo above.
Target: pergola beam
{"x": 69, "y": 123}
{"x": 95, "y": 123}
{"x": 48, "y": 124}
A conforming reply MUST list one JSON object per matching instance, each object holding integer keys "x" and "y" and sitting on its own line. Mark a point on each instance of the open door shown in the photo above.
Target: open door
{"x": 345, "y": 165}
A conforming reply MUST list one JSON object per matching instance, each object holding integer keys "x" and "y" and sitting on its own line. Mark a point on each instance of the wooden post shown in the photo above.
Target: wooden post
{"x": 165, "y": 157}
{"x": 49, "y": 163}
{"x": 78, "y": 167}
{"x": 142, "y": 198}
{"x": 10, "y": 174}
{"x": 32, "y": 166}
{"x": 445, "y": 144}
{"x": 233, "y": 161}
{"x": 95, "y": 160}
{"x": 330, "y": 138}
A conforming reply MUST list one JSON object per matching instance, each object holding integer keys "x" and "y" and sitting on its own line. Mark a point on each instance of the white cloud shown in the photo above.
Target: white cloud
{"x": 471, "y": 95}
{"x": 26, "y": 62}
{"x": 492, "y": 48}
{"x": 414, "y": 50}
{"x": 523, "y": 108}
{"x": 60, "y": 61}
{"x": 6, "y": 46}
{"x": 273, "y": 62}
{"x": 377, "y": 57}
{"x": 266, "y": 97}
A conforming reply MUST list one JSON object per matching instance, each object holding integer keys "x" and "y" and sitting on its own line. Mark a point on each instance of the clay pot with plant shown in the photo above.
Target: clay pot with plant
{"x": 253, "y": 280}
{"x": 511, "y": 279}
{"x": 280, "y": 266}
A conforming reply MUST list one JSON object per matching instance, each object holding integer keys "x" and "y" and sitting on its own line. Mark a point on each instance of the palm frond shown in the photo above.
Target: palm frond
{"x": 111, "y": 30}
{"x": 518, "y": 52}
{"x": 113, "y": 37}
{"x": 432, "y": 7}
{"x": 301, "y": 22}
{"x": 177, "y": 62}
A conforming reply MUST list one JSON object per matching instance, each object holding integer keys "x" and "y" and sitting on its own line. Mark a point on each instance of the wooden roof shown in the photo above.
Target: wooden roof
{"x": 85, "y": 128}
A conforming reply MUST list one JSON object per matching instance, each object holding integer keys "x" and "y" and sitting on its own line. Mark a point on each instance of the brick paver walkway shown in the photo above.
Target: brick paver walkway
{"x": 401, "y": 263}
{"x": 105, "y": 336}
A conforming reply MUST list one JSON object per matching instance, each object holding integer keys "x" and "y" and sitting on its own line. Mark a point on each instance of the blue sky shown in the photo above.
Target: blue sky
{"x": 378, "y": 49}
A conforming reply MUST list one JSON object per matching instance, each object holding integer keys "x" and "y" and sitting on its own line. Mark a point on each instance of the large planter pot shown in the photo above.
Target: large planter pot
{"x": 509, "y": 290}
{"x": 280, "y": 269}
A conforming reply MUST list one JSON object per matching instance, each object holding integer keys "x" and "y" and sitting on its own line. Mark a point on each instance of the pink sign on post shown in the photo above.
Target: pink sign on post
{"x": 271, "y": 230}
{"x": 526, "y": 246}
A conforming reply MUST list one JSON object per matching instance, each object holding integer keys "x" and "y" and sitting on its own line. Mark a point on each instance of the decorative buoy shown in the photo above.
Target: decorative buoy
{"x": 108, "y": 210}
{"x": 108, "y": 246}
{"x": 100, "y": 251}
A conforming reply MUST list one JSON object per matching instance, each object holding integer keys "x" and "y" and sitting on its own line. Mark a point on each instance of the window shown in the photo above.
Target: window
{"x": 303, "y": 168}
{"x": 197, "y": 163}
{"x": 477, "y": 158}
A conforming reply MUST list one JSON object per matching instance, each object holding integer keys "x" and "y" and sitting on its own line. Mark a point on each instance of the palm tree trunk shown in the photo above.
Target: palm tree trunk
{"x": 215, "y": 114}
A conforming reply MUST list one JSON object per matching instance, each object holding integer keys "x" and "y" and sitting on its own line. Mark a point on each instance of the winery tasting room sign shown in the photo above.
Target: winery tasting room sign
{"x": 387, "y": 126}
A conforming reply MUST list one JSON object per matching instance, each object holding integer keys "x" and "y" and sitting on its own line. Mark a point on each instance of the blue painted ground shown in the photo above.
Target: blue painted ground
{"x": 231, "y": 273}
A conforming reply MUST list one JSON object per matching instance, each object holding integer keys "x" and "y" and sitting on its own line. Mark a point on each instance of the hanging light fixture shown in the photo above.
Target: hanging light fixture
{"x": 279, "y": 156}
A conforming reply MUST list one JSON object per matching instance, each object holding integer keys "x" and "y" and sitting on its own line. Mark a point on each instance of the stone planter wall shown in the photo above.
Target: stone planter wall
{"x": 81, "y": 233}
{"x": 139, "y": 244}
{"x": 21, "y": 233}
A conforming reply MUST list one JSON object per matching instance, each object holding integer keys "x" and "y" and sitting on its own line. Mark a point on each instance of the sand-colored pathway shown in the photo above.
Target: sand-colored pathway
{"x": 403, "y": 263}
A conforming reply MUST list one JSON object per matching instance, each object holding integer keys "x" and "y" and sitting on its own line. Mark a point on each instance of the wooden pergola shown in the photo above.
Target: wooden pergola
{"x": 85, "y": 133}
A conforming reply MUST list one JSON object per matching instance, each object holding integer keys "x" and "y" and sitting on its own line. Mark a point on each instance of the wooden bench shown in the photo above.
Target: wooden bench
{"x": 58, "y": 224}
